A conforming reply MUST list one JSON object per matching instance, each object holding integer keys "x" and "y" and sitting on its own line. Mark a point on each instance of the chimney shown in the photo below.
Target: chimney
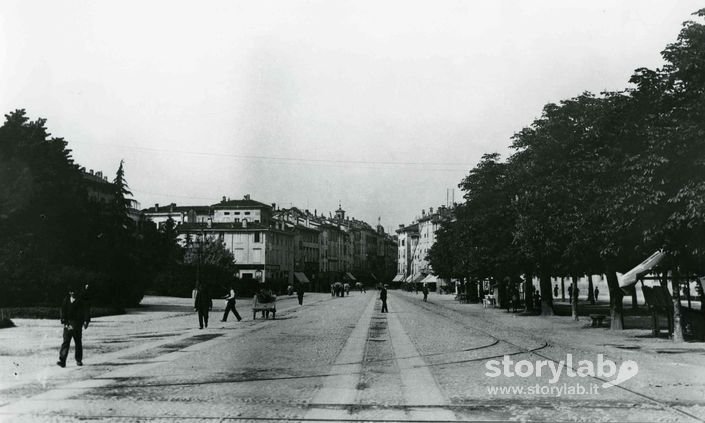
{"x": 274, "y": 206}
{"x": 90, "y": 171}
{"x": 156, "y": 207}
{"x": 223, "y": 200}
{"x": 247, "y": 196}
{"x": 430, "y": 210}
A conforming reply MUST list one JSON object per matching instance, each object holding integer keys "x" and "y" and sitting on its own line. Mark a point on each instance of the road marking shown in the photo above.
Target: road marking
{"x": 418, "y": 385}
{"x": 342, "y": 387}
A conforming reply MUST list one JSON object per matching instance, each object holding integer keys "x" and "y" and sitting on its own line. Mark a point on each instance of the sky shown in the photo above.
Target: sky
{"x": 382, "y": 107}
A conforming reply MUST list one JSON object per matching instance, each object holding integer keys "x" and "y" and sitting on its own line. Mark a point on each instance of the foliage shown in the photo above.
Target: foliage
{"x": 596, "y": 183}
{"x": 57, "y": 234}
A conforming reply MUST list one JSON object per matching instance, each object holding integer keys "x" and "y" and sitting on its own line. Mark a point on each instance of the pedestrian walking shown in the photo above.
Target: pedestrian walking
{"x": 597, "y": 292}
{"x": 300, "y": 293}
{"x": 570, "y": 293}
{"x": 230, "y": 306}
{"x": 202, "y": 304}
{"x": 75, "y": 317}
{"x": 425, "y": 293}
{"x": 383, "y": 297}
{"x": 555, "y": 291}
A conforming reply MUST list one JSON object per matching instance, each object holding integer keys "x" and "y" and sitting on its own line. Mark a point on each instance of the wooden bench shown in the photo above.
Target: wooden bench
{"x": 265, "y": 308}
{"x": 597, "y": 320}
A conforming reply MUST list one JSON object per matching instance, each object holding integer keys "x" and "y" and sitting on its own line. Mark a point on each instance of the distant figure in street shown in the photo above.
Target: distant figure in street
{"x": 597, "y": 292}
{"x": 577, "y": 294}
{"x": 570, "y": 293}
{"x": 425, "y": 293}
{"x": 202, "y": 304}
{"x": 383, "y": 297}
{"x": 346, "y": 288}
{"x": 300, "y": 293}
{"x": 515, "y": 300}
{"x": 75, "y": 317}
{"x": 229, "y": 306}
{"x": 332, "y": 290}
{"x": 555, "y": 291}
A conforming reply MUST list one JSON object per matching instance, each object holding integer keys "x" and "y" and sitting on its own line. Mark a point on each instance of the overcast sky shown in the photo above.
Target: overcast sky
{"x": 381, "y": 105}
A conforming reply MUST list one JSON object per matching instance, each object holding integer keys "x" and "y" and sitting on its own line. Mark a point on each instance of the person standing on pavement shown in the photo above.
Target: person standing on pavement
{"x": 597, "y": 292}
{"x": 300, "y": 293}
{"x": 230, "y": 306}
{"x": 383, "y": 297}
{"x": 555, "y": 291}
{"x": 202, "y": 304}
{"x": 75, "y": 317}
{"x": 425, "y": 293}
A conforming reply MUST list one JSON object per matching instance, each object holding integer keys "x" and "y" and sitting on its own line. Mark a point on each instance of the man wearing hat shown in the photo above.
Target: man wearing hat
{"x": 75, "y": 317}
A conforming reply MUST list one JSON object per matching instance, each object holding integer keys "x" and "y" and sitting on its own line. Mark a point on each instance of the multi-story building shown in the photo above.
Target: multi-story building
{"x": 415, "y": 241}
{"x": 286, "y": 245}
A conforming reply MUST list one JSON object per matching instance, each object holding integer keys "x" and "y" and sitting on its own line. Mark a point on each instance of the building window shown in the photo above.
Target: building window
{"x": 226, "y": 213}
{"x": 247, "y": 213}
{"x": 257, "y": 237}
{"x": 236, "y": 212}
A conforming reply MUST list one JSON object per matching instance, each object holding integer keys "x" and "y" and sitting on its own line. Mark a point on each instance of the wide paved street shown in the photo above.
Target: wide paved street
{"x": 341, "y": 359}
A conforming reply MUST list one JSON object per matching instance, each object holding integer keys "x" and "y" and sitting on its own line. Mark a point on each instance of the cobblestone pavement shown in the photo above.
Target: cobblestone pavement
{"x": 340, "y": 359}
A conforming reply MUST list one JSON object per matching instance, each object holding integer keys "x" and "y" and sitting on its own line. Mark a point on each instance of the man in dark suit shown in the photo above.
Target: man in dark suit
{"x": 202, "y": 304}
{"x": 75, "y": 317}
{"x": 383, "y": 297}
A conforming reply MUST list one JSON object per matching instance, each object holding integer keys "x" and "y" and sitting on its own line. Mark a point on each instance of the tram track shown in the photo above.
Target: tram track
{"x": 460, "y": 319}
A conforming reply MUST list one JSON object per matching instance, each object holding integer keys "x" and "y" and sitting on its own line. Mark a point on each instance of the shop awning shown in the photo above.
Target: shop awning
{"x": 430, "y": 279}
{"x": 349, "y": 275}
{"x": 630, "y": 278}
{"x": 301, "y": 277}
{"x": 417, "y": 278}
{"x": 398, "y": 278}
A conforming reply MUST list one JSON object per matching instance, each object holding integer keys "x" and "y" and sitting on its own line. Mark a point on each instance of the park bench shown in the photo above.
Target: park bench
{"x": 597, "y": 320}
{"x": 265, "y": 308}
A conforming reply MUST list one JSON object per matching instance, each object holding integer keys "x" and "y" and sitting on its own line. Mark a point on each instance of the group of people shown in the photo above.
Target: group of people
{"x": 203, "y": 304}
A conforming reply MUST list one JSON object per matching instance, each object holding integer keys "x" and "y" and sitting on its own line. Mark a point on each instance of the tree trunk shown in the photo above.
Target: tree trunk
{"x": 528, "y": 293}
{"x": 562, "y": 288}
{"x": 574, "y": 300}
{"x": 635, "y": 305}
{"x": 546, "y": 297}
{"x": 591, "y": 292}
{"x": 677, "y": 328}
{"x": 472, "y": 294}
{"x": 616, "y": 295}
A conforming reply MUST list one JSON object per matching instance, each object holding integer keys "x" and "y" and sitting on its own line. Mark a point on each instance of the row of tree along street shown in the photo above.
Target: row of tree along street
{"x": 595, "y": 185}
{"x": 60, "y": 228}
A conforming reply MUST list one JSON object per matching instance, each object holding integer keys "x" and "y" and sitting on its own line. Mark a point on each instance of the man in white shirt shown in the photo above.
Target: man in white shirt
{"x": 230, "y": 306}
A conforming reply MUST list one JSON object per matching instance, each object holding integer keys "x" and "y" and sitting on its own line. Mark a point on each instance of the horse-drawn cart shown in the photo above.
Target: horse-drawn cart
{"x": 266, "y": 303}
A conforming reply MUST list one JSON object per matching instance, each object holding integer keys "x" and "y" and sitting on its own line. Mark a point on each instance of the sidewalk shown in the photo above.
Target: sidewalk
{"x": 29, "y": 351}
